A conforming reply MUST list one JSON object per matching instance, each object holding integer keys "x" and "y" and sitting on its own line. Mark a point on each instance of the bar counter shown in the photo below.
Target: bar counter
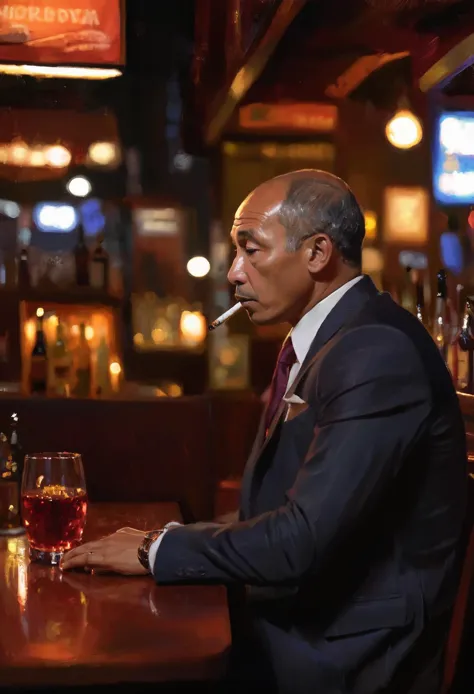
{"x": 69, "y": 629}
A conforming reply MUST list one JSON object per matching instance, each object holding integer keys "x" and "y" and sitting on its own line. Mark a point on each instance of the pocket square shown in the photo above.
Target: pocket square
{"x": 294, "y": 400}
{"x": 296, "y": 406}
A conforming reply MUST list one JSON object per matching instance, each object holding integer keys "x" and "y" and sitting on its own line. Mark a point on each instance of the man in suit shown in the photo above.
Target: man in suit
{"x": 346, "y": 551}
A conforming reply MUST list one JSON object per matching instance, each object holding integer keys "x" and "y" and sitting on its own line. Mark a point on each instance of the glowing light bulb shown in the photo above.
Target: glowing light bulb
{"x": 57, "y": 156}
{"x": 198, "y": 266}
{"x": 89, "y": 332}
{"x": 79, "y": 186}
{"x": 115, "y": 367}
{"x": 404, "y": 130}
{"x": 19, "y": 153}
{"x": 104, "y": 153}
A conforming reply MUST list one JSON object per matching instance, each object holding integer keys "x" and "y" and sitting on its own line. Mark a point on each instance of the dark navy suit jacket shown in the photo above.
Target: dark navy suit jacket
{"x": 348, "y": 544}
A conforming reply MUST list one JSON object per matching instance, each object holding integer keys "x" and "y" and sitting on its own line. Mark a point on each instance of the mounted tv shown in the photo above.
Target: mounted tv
{"x": 453, "y": 158}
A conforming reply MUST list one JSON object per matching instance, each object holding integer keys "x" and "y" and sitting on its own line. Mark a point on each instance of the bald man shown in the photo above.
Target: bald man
{"x": 344, "y": 561}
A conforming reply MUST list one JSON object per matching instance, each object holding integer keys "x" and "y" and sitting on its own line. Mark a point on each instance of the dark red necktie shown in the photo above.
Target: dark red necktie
{"x": 286, "y": 359}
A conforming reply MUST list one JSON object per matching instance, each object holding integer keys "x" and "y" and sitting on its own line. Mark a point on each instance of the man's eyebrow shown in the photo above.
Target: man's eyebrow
{"x": 247, "y": 235}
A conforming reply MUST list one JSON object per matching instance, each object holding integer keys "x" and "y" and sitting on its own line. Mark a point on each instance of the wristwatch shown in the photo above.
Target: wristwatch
{"x": 148, "y": 540}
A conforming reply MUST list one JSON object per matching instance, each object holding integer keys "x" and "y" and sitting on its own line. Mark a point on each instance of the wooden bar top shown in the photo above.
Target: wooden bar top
{"x": 63, "y": 629}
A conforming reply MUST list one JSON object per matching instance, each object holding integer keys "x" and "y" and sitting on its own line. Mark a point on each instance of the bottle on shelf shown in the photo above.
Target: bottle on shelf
{"x": 82, "y": 388}
{"x": 24, "y": 279}
{"x": 81, "y": 259}
{"x": 454, "y": 352}
{"x": 99, "y": 267}
{"x": 102, "y": 375}
{"x": 466, "y": 349}
{"x": 16, "y": 455}
{"x": 39, "y": 359}
{"x": 407, "y": 298}
{"x": 11, "y": 470}
{"x": 420, "y": 301}
{"x": 61, "y": 363}
{"x": 441, "y": 323}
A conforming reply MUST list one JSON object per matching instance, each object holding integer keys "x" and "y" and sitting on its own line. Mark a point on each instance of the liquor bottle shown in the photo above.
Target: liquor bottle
{"x": 24, "y": 280}
{"x": 454, "y": 352}
{"x": 16, "y": 449}
{"x": 466, "y": 349}
{"x": 61, "y": 362}
{"x": 39, "y": 360}
{"x": 102, "y": 376}
{"x": 17, "y": 457}
{"x": 11, "y": 470}
{"x": 99, "y": 269}
{"x": 82, "y": 388}
{"x": 441, "y": 324}
{"x": 407, "y": 298}
{"x": 81, "y": 258}
{"x": 420, "y": 301}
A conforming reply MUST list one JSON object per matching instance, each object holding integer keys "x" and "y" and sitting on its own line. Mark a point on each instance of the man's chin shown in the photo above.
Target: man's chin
{"x": 260, "y": 318}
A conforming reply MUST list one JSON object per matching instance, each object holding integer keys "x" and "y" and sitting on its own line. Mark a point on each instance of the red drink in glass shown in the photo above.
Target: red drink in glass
{"x": 54, "y": 504}
{"x": 54, "y": 517}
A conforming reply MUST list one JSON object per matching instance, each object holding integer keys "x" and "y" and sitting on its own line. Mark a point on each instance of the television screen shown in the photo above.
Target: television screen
{"x": 453, "y": 158}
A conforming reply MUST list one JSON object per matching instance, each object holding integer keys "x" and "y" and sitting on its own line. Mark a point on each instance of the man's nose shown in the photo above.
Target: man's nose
{"x": 236, "y": 274}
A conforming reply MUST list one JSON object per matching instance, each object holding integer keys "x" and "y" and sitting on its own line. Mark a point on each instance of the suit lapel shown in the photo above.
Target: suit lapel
{"x": 343, "y": 313}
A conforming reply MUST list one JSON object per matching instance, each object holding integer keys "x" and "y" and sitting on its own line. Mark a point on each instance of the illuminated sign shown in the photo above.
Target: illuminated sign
{"x": 54, "y": 32}
{"x": 157, "y": 222}
{"x": 53, "y": 216}
{"x": 406, "y": 215}
{"x": 298, "y": 116}
{"x": 453, "y": 158}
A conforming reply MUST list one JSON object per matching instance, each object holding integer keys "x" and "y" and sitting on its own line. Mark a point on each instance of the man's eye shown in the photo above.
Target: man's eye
{"x": 251, "y": 251}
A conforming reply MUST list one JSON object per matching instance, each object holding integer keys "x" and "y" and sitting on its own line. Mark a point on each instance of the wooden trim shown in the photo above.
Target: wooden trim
{"x": 259, "y": 55}
{"x": 359, "y": 71}
{"x": 455, "y": 60}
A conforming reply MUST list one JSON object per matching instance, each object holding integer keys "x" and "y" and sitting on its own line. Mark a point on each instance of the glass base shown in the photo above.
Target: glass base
{"x": 43, "y": 557}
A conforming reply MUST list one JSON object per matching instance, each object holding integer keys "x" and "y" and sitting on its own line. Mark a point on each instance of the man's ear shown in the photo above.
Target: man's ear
{"x": 319, "y": 252}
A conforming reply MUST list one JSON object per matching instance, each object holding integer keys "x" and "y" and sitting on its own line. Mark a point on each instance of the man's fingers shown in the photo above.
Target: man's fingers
{"x": 90, "y": 555}
{"x": 86, "y": 560}
{"x": 87, "y": 547}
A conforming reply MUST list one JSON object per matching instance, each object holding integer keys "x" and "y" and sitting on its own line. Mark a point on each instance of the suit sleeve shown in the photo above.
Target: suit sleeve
{"x": 374, "y": 402}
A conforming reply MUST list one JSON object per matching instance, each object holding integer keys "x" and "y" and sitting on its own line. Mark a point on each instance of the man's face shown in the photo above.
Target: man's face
{"x": 274, "y": 284}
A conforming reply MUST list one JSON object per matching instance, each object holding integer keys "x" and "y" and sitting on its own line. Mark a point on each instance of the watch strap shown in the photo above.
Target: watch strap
{"x": 148, "y": 540}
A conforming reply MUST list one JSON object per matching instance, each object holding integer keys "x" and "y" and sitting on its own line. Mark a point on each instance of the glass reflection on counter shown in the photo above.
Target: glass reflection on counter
{"x": 16, "y": 568}
{"x": 58, "y": 633}
{"x": 53, "y": 614}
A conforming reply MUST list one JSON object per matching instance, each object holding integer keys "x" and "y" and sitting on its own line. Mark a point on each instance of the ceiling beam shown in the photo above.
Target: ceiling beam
{"x": 451, "y": 59}
{"x": 359, "y": 71}
{"x": 258, "y": 56}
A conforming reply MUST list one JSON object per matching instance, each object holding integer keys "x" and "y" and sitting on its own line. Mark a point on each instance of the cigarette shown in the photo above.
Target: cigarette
{"x": 225, "y": 316}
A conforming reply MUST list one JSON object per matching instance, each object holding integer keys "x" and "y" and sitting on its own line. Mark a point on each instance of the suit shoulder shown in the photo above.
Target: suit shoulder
{"x": 376, "y": 338}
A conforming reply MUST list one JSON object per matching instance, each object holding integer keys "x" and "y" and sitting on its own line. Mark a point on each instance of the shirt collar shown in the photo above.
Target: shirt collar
{"x": 306, "y": 329}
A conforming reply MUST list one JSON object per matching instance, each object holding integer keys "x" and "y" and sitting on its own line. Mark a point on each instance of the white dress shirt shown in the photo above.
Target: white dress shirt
{"x": 302, "y": 337}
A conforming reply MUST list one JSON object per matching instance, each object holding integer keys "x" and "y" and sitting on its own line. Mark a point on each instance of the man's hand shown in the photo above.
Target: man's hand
{"x": 117, "y": 553}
